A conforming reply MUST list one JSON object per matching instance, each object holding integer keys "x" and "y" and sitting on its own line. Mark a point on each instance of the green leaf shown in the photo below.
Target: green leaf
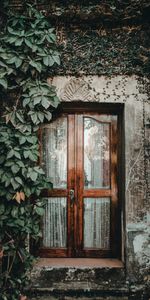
{"x": 26, "y": 101}
{"x": 52, "y": 37}
{"x": 48, "y": 115}
{"x": 22, "y": 210}
{"x": 10, "y": 153}
{"x": 9, "y": 163}
{"x": 41, "y": 117}
{"x": 18, "y": 62}
{"x": 4, "y": 83}
{"x": 32, "y": 139}
{"x": 56, "y": 59}
{"x": 34, "y": 118}
{"x": 20, "y": 116}
{"x": 34, "y": 48}
{"x": 19, "y": 180}
{"x": 17, "y": 154}
{"x": 2, "y": 209}
{"x": 28, "y": 43}
{"x": 46, "y": 60}
{"x": 15, "y": 169}
{"x": 26, "y": 153}
{"x": 19, "y": 42}
{"x": 19, "y": 222}
{"x": 12, "y": 39}
{"x": 20, "y": 163}
{"x": 7, "y": 182}
{"x": 2, "y": 159}
{"x": 33, "y": 176}
{"x": 37, "y": 100}
{"x": 11, "y": 60}
{"x": 14, "y": 183}
{"x": 39, "y": 210}
{"x": 50, "y": 61}
{"x": 22, "y": 140}
{"x": 45, "y": 103}
{"x": 32, "y": 156}
{"x": 39, "y": 170}
{"x": 36, "y": 65}
{"x": 55, "y": 101}
{"x": 14, "y": 212}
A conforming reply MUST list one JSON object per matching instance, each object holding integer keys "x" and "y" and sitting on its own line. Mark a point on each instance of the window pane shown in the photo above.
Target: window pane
{"x": 54, "y": 141}
{"x": 97, "y": 223}
{"x": 96, "y": 154}
{"x": 55, "y": 223}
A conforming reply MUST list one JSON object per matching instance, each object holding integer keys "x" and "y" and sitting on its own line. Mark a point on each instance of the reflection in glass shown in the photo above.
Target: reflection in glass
{"x": 96, "y": 154}
{"x": 55, "y": 223}
{"x": 97, "y": 223}
{"x": 54, "y": 152}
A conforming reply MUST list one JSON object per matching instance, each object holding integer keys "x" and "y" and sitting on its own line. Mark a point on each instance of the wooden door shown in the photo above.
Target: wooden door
{"x": 79, "y": 155}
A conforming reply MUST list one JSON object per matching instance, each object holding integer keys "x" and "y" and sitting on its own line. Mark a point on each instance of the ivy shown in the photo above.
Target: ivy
{"x": 27, "y": 50}
{"x": 122, "y": 51}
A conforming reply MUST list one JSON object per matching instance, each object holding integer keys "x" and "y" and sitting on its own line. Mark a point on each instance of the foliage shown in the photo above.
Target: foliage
{"x": 104, "y": 51}
{"x": 27, "y": 50}
{"x": 107, "y": 37}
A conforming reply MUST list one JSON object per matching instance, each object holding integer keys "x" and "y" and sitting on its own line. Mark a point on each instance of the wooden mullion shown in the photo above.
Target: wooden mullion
{"x": 79, "y": 183}
{"x": 114, "y": 188}
{"x": 71, "y": 183}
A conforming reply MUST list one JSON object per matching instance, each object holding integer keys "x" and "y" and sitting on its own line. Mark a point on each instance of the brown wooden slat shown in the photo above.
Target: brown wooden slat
{"x": 71, "y": 183}
{"x": 53, "y": 252}
{"x": 55, "y": 193}
{"x": 95, "y": 253}
{"x": 97, "y": 193}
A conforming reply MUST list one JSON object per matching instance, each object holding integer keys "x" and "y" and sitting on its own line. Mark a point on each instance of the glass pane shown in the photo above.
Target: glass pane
{"x": 97, "y": 223}
{"x": 55, "y": 223}
{"x": 54, "y": 141}
{"x": 96, "y": 154}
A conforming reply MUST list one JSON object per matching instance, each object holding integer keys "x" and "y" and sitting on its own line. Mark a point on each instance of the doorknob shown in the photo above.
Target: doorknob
{"x": 71, "y": 196}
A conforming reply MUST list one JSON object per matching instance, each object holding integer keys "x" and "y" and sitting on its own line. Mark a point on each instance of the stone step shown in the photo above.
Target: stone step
{"x": 49, "y": 294}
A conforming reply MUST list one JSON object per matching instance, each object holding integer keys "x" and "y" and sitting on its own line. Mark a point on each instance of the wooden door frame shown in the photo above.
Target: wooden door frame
{"x": 71, "y": 108}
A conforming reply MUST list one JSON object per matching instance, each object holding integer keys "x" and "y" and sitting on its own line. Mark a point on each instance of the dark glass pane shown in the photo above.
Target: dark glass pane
{"x": 96, "y": 154}
{"x": 54, "y": 152}
{"x": 55, "y": 223}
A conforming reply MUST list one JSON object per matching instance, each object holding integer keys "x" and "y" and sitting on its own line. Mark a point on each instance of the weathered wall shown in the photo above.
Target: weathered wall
{"x": 134, "y": 278}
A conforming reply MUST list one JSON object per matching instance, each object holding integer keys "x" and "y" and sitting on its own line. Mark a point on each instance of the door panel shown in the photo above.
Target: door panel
{"x": 54, "y": 160}
{"x": 79, "y": 155}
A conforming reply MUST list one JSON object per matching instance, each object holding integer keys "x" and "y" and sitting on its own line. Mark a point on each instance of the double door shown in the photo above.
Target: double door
{"x": 79, "y": 155}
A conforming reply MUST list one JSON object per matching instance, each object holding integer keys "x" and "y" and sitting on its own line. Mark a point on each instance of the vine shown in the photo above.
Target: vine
{"x": 27, "y": 50}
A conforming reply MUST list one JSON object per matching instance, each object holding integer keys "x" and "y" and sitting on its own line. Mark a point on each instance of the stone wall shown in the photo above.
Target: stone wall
{"x": 133, "y": 278}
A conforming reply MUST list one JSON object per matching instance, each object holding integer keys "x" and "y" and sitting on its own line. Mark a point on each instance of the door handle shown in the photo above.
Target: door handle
{"x": 72, "y": 198}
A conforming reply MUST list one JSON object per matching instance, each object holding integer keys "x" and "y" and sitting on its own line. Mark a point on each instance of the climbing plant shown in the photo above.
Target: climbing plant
{"x": 27, "y": 50}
